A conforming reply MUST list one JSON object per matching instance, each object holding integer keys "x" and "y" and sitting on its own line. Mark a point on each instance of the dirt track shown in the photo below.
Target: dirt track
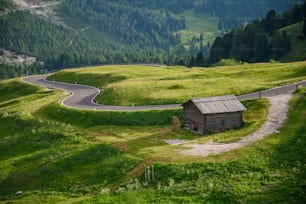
{"x": 276, "y": 117}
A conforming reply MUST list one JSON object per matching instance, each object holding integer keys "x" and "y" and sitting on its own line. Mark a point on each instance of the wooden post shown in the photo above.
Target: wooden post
{"x": 146, "y": 173}
{"x": 149, "y": 172}
{"x": 153, "y": 173}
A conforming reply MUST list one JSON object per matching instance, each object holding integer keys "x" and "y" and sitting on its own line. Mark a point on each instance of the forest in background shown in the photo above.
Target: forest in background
{"x": 276, "y": 37}
{"x": 115, "y": 32}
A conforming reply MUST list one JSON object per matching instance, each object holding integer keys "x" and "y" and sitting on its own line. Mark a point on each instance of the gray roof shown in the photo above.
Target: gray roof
{"x": 218, "y": 104}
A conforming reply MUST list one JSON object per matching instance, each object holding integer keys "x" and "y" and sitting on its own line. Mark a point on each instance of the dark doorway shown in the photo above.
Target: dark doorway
{"x": 195, "y": 126}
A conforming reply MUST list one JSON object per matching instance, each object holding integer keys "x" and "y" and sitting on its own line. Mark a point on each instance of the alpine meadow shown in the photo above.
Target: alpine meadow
{"x": 107, "y": 101}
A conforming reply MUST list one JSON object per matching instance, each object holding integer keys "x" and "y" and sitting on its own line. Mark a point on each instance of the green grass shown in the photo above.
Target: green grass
{"x": 12, "y": 89}
{"x": 45, "y": 157}
{"x": 271, "y": 171}
{"x": 85, "y": 119}
{"x": 297, "y": 45}
{"x": 139, "y": 85}
{"x": 254, "y": 117}
{"x": 142, "y": 133}
{"x": 56, "y": 154}
{"x": 197, "y": 24}
{"x": 227, "y": 62}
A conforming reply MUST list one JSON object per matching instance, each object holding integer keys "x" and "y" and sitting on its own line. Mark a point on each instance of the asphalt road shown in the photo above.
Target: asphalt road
{"x": 272, "y": 92}
{"x": 82, "y": 96}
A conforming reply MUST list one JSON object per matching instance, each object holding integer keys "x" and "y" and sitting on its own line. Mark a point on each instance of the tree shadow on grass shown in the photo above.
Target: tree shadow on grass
{"x": 87, "y": 79}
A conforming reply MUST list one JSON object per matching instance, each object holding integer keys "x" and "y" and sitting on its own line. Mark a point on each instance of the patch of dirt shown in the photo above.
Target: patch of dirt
{"x": 276, "y": 117}
{"x": 176, "y": 142}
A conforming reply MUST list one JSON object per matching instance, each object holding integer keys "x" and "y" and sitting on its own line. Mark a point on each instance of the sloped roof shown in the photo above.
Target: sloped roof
{"x": 218, "y": 104}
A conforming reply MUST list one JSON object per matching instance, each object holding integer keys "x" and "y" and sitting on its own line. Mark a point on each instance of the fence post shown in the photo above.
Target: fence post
{"x": 149, "y": 172}
{"x": 146, "y": 173}
{"x": 153, "y": 173}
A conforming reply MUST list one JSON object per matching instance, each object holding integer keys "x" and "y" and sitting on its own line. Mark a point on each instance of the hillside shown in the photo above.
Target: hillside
{"x": 144, "y": 85}
{"x": 276, "y": 37}
{"x": 53, "y": 154}
{"x": 79, "y": 32}
{"x": 297, "y": 52}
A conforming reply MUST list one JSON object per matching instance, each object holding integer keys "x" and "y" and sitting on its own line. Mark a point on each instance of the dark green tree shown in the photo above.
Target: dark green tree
{"x": 270, "y": 21}
{"x": 304, "y": 17}
{"x": 262, "y": 48}
{"x": 281, "y": 44}
{"x": 199, "y": 59}
{"x": 216, "y": 51}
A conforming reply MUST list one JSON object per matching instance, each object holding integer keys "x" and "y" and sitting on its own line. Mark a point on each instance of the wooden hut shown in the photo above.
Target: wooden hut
{"x": 213, "y": 114}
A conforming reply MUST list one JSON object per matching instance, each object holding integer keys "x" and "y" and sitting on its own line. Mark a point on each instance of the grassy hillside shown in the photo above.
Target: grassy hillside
{"x": 54, "y": 154}
{"x": 197, "y": 23}
{"x": 138, "y": 85}
{"x": 75, "y": 33}
{"x": 48, "y": 159}
{"x": 271, "y": 171}
{"x": 298, "y": 50}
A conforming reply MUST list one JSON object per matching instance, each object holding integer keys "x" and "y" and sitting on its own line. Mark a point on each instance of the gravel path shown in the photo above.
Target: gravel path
{"x": 276, "y": 117}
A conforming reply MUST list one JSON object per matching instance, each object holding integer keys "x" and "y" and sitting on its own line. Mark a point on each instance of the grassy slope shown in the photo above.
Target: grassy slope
{"x": 141, "y": 133}
{"x": 48, "y": 160}
{"x": 49, "y": 153}
{"x": 271, "y": 171}
{"x": 197, "y": 24}
{"x": 138, "y": 85}
{"x": 41, "y": 140}
{"x": 298, "y": 49}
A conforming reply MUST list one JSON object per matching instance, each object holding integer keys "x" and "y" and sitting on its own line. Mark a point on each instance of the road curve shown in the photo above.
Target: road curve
{"x": 82, "y": 96}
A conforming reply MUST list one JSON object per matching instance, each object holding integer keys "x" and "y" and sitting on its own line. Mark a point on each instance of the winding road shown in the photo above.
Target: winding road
{"x": 82, "y": 96}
